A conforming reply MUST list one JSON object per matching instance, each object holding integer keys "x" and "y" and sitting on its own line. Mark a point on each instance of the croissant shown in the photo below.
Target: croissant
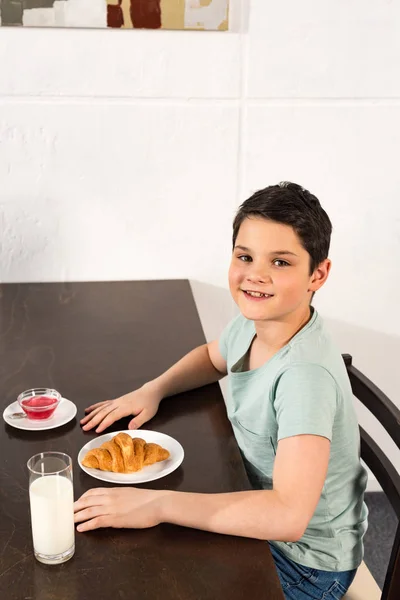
{"x": 123, "y": 454}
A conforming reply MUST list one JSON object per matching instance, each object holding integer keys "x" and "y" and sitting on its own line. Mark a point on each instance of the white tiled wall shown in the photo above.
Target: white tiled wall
{"x": 348, "y": 154}
{"x": 123, "y": 154}
{"x": 115, "y": 190}
{"x": 324, "y": 49}
{"x": 96, "y": 64}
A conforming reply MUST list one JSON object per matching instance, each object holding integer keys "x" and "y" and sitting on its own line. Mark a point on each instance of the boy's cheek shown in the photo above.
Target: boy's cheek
{"x": 233, "y": 276}
{"x": 235, "y": 272}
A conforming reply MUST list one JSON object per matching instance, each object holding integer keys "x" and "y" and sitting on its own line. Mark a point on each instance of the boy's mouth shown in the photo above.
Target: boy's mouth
{"x": 253, "y": 295}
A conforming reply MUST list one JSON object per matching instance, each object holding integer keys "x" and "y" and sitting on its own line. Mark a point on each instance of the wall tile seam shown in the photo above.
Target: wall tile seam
{"x": 323, "y": 100}
{"x": 241, "y": 124}
{"x": 195, "y": 101}
{"x": 242, "y": 118}
{"x": 66, "y": 99}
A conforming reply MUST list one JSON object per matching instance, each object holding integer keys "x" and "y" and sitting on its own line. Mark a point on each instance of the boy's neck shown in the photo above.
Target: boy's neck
{"x": 273, "y": 335}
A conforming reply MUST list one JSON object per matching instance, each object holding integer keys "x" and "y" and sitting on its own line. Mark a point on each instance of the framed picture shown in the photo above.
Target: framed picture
{"x": 116, "y": 14}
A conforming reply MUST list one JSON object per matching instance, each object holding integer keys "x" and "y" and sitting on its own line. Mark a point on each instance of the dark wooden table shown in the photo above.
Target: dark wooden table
{"x": 95, "y": 341}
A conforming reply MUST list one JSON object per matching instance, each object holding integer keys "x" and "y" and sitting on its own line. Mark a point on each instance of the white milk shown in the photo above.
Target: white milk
{"x": 52, "y": 514}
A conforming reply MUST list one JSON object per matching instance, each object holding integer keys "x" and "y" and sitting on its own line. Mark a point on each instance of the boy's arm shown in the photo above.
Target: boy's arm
{"x": 280, "y": 514}
{"x": 201, "y": 366}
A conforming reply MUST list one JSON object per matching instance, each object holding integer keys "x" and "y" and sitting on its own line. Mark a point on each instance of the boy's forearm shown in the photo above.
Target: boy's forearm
{"x": 256, "y": 514}
{"x": 194, "y": 370}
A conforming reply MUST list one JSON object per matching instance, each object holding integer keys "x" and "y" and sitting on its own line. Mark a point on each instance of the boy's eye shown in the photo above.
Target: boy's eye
{"x": 244, "y": 258}
{"x": 280, "y": 263}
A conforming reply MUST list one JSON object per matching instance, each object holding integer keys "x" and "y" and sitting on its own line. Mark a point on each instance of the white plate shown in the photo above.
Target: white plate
{"x": 149, "y": 473}
{"x": 65, "y": 411}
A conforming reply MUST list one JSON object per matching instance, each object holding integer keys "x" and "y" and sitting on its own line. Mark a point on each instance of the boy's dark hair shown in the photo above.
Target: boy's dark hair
{"x": 290, "y": 204}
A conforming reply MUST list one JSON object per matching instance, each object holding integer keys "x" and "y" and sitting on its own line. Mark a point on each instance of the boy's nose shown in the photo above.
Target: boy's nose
{"x": 258, "y": 277}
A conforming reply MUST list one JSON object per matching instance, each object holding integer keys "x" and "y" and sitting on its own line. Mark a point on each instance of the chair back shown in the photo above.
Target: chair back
{"x": 387, "y": 476}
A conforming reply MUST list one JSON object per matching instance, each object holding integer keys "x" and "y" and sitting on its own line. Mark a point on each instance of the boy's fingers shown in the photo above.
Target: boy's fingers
{"x": 91, "y": 493}
{"x": 93, "y": 524}
{"x": 95, "y": 412}
{"x": 138, "y": 420}
{"x": 97, "y": 418}
{"x": 97, "y": 405}
{"x": 108, "y": 420}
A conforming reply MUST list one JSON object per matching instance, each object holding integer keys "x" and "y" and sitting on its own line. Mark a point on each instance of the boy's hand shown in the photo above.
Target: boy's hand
{"x": 116, "y": 507}
{"x": 142, "y": 404}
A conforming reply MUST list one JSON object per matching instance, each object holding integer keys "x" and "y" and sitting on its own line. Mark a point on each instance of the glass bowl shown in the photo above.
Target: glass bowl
{"x": 39, "y": 404}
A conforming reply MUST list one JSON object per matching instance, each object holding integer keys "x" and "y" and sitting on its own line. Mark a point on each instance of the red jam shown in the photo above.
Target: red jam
{"x": 38, "y": 402}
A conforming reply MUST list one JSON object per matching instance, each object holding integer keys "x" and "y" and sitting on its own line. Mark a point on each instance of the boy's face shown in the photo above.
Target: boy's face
{"x": 268, "y": 258}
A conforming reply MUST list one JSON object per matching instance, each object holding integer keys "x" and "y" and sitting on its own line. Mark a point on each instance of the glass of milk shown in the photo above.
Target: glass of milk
{"x": 51, "y": 498}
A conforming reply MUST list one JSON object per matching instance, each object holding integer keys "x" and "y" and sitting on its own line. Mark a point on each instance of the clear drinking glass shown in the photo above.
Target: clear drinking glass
{"x": 51, "y": 498}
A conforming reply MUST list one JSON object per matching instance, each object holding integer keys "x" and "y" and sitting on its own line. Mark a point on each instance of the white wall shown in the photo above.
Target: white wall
{"x": 123, "y": 155}
{"x": 115, "y": 148}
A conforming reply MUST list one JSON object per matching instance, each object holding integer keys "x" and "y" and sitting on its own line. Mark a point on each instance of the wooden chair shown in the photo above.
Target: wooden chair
{"x": 364, "y": 586}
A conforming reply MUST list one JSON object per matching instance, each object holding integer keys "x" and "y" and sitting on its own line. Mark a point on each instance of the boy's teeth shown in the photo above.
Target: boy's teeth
{"x": 256, "y": 294}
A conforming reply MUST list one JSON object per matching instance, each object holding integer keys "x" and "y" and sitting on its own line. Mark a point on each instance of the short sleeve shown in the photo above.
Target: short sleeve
{"x": 223, "y": 342}
{"x": 305, "y": 401}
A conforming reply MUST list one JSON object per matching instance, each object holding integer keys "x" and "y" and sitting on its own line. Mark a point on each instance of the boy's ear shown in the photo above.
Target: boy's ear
{"x": 320, "y": 275}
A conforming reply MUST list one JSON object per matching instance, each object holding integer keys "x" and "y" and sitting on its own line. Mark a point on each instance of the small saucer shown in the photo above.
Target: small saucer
{"x": 65, "y": 411}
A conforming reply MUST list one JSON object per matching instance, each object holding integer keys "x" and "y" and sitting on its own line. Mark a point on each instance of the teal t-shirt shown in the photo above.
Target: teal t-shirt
{"x": 303, "y": 389}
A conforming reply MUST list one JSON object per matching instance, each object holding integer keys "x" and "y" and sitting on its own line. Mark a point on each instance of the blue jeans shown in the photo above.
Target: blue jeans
{"x": 304, "y": 583}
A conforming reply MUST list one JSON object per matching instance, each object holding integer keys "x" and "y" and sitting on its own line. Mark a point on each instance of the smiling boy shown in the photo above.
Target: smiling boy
{"x": 289, "y": 403}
